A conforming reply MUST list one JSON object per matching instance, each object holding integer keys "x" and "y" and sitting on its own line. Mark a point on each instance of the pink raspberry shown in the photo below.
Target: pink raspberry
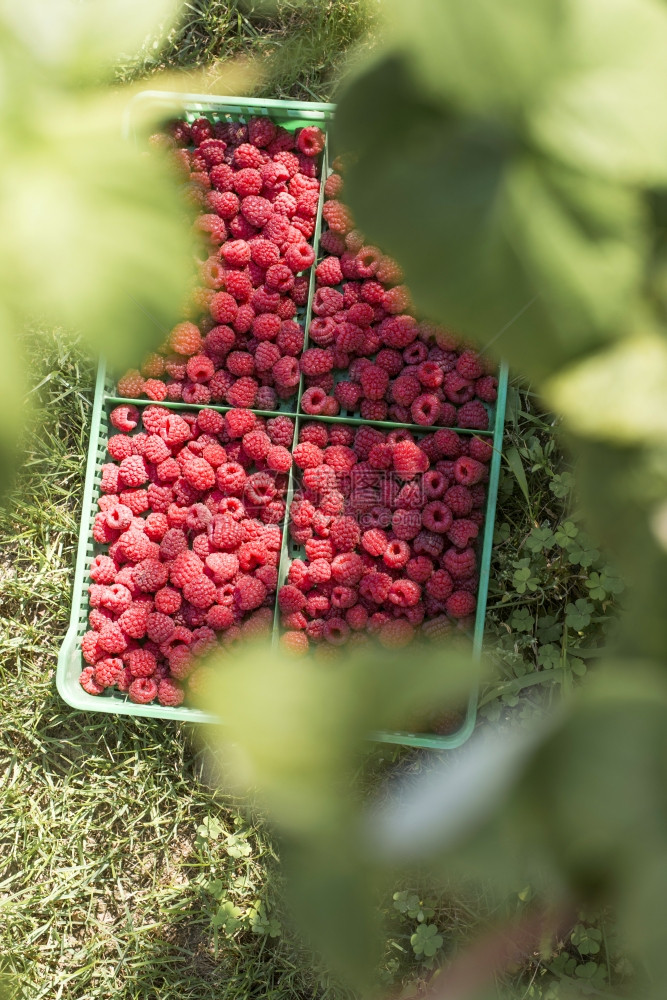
{"x": 461, "y": 604}
{"x": 308, "y": 455}
{"x": 486, "y": 389}
{"x": 419, "y": 568}
{"x": 280, "y": 430}
{"x": 469, "y": 365}
{"x": 299, "y": 257}
{"x": 347, "y": 568}
{"x": 290, "y": 599}
{"x": 459, "y": 500}
{"x": 200, "y": 592}
{"x": 468, "y": 471}
{"x": 294, "y": 643}
{"x": 409, "y": 459}
{"x": 425, "y": 409}
{"x": 328, "y": 272}
{"x": 319, "y": 572}
{"x": 460, "y": 564}
{"x": 89, "y": 683}
{"x": 314, "y": 401}
{"x": 310, "y": 140}
{"x": 437, "y": 517}
{"x": 396, "y": 633}
{"x": 374, "y": 382}
{"x": 373, "y": 409}
{"x": 462, "y": 532}
{"x": 143, "y": 690}
{"x": 150, "y": 575}
{"x": 124, "y": 418}
{"x": 345, "y": 534}
{"x": 473, "y": 415}
{"x": 375, "y": 587}
{"x": 107, "y": 671}
{"x": 397, "y": 554}
{"x": 224, "y": 532}
{"x": 184, "y": 568}
{"x": 169, "y": 692}
{"x": 223, "y": 306}
{"x": 404, "y": 593}
{"x": 141, "y": 662}
{"x": 316, "y": 361}
{"x": 278, "y": 458}
{"x": 440, "y": 585}
{"x": 243, "y": 392}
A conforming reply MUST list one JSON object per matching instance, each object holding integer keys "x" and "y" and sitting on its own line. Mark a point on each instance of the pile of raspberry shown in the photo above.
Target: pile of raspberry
{"x": 189, "y": 522}
{"x": 388, "y": 524}
{"x": 257, "y": 188}
{"x": 419, "y": 373}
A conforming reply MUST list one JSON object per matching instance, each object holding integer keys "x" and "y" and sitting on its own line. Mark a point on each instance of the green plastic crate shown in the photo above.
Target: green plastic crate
{"x": 70, "y": 663}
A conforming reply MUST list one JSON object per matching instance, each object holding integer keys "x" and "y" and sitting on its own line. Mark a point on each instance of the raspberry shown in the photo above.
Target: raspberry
{"x": 486, "y": 389}
{"x": 319, "y": 572}
{"x": 396, "y": 634}
{"x": 397, "y": 300}
{"x": 375, "y": 587}
{"x": 200, "y": 592}
{"x": 124, "y": 418}
{"x": 247, "y": 183}
{"x": 467, "y": 471}
{"x": 345, "y": 534}
{"x": 456, "y": 388}
{"x": 262, "y": 131}
{"x": 437, "y": 517}
{"x": 224, "y": 532}
{"x": 308, "y": 455}
{"x": 409, "y": 460}
{"x": 155, "y": 389}
{"x": 348, "y": 395}
{"x": 212, "y": 226}
{"x": 290, "y": 599}
{"x": 462, "y": 532}
{"x": 404, "y": 593}
{"x": 473, "y": 415}
{"x": 266, "y": 326}
{"x": 131, "y": 384}
{"x": 160, "y": 627}
{"x": 480, "y": 449}
{"x": 223, "y": 306}
{"x": 405, "y": 389}
{"x": 247, "y": 155}
{"x": 290, "y": 338}
{"x": 150, "y": 574}
{"x": 374, "y": 382}
{"x": 243, "y": 392}
{"x": 280, "y": 430}
{"x": 278, "y": 458}
{"x": 316, "y": 361}
{"x": 310, "y": 140}
{"x": 469, "y": 365}
{"x": 425, "y": 409}
{"x": 102, "y": 569}
{"x": 89, "y": 683}
{"x": 459, "y": 500}
{"x": 397, "y": 554}
{"x": 256, "y": 210}
{"x": 337, "y": 216}
{"x": 265, "y": 398}
{"x": 219, "y": 617}
{"x": 439, "y": 585}
{"x": 460, "y": 604}
{"x": 143, "y": 690}
{"x": 169, "y": 692}
{"x": 313, "y": 401}
{"x": 459, "y": 564}
{"x": 185, "y": 568}
{"x": 295, "y": 643}
{"x": 328, "y": 271}
{"x": 336, "y": 631}
{"x": 111, "y": 638}
{"x": 185, "y": 339}
{"x": 256, "y": 443}
{"x": 299, "y": 256}
{"x": 107, "y": 671}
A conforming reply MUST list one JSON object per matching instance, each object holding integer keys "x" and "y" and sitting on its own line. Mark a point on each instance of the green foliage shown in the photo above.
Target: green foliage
{"x": 99, "y": 206}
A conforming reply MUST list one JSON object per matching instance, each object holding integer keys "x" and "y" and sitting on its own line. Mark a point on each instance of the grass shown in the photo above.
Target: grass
{"x": 119, "y": 846}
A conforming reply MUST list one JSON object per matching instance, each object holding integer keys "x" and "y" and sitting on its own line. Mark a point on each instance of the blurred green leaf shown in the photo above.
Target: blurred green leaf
{"x": 602, "y": 112}
{"x": 588, "y": 392}
{"x": 552, "y": 249}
